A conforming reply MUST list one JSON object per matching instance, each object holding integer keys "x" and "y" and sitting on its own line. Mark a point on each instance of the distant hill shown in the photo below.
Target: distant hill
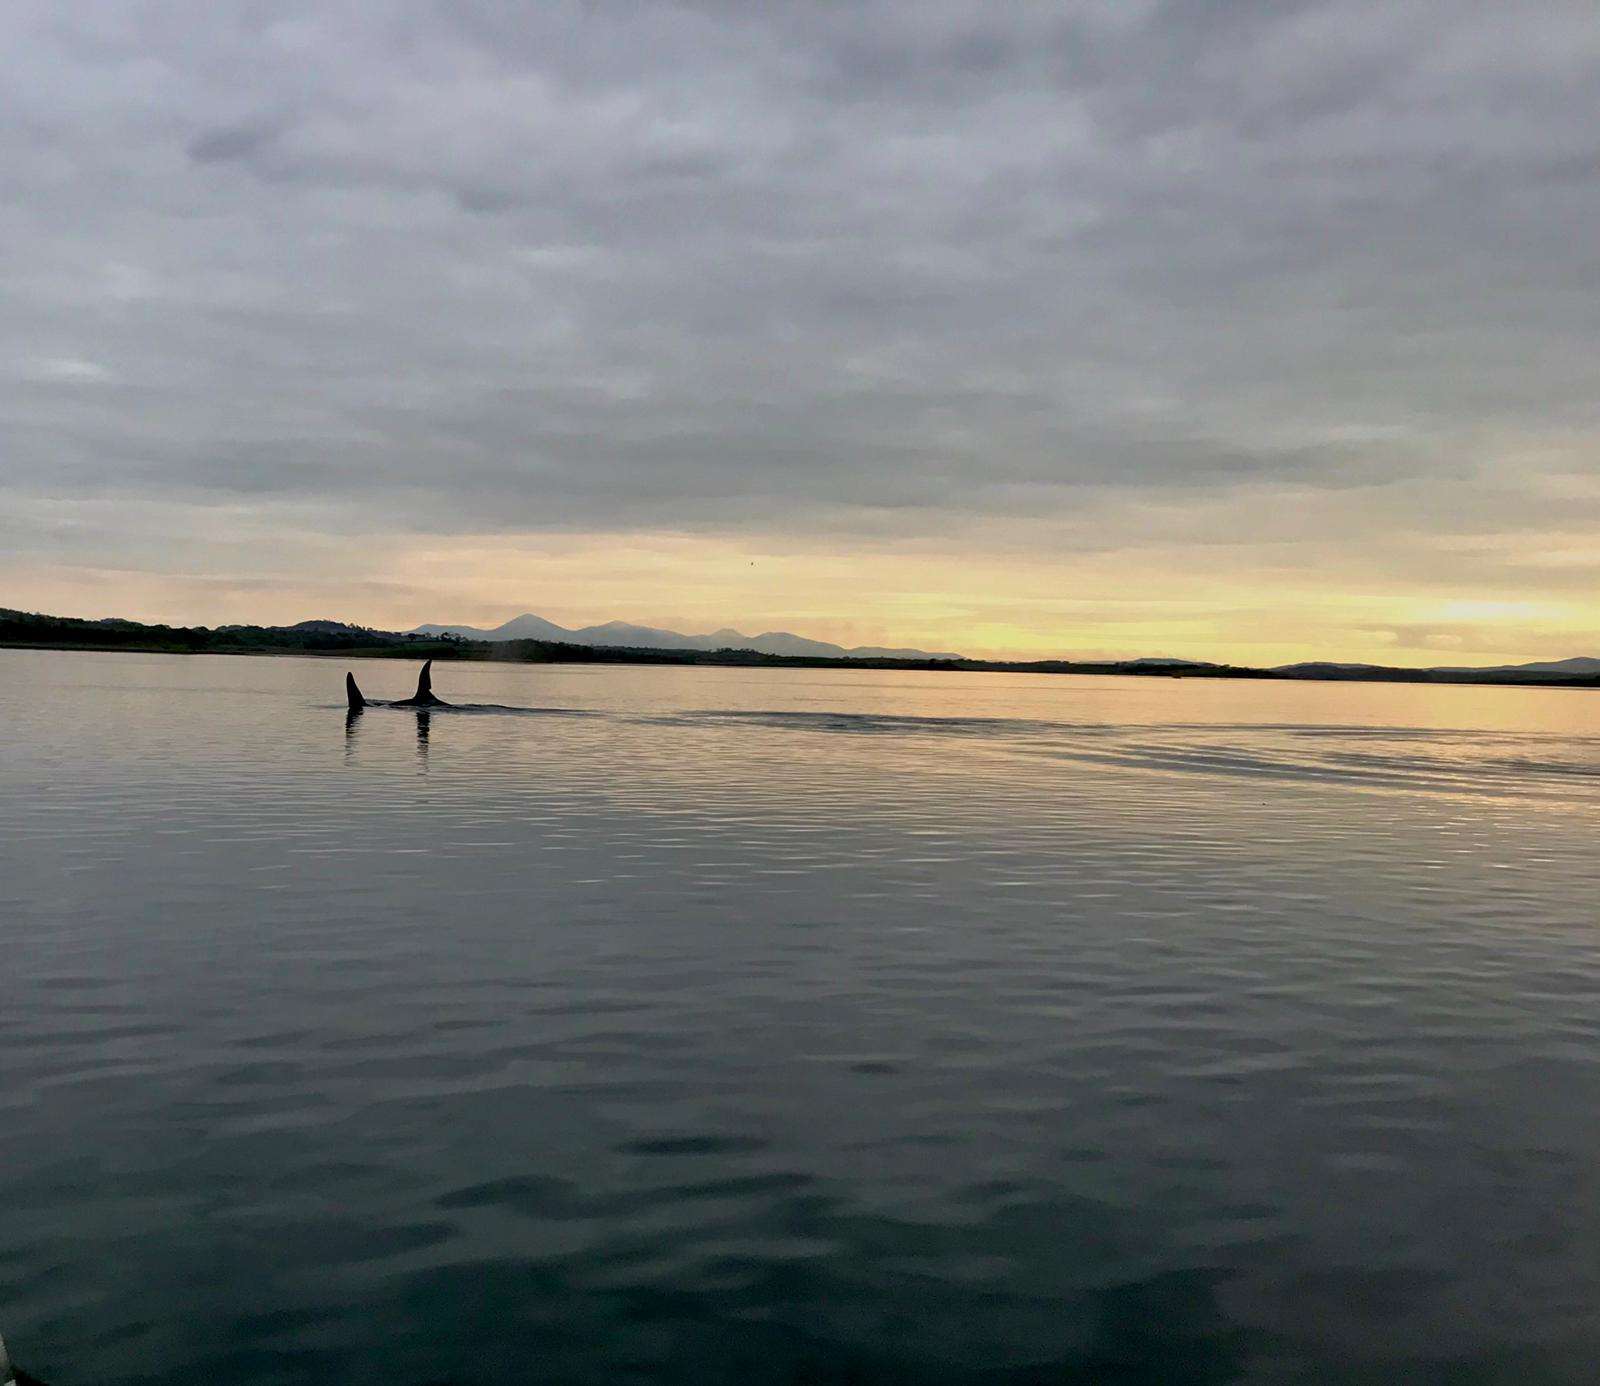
{"x": 620, "y": 633}
{"x": 1579, "y": 667}
{"x": 305, "y": 628}
{"x": 1323, "y": 669}
{"x": 1582, "y": 664}
{"x": 328, "y": 627}
{"x": 113, "y": 633}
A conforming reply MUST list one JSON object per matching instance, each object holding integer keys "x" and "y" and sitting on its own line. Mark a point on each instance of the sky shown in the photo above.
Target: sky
{"x": 1218, "y": 329}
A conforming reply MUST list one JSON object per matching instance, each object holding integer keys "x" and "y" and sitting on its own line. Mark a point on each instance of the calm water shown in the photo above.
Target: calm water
{"x": 725, "y": 1026}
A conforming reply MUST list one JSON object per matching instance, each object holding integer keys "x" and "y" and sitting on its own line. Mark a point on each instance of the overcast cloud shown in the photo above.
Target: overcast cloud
{"x": 850, "y": 274}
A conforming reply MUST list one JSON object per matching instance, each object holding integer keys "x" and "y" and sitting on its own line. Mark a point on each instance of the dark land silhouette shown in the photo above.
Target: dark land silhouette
{"x": 27, "y": 630}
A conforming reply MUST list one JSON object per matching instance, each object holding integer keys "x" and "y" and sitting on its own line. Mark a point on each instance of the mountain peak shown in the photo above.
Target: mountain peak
{"x": 622, "y": 633}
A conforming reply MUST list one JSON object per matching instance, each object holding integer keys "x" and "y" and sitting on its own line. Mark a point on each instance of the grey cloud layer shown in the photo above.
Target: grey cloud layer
{"x": 809, "y": 268}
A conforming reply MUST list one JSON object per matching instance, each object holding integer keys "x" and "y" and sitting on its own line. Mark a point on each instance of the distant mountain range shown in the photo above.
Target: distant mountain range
{"x": 620, "y": 633}
{"x": 782, "y": 642}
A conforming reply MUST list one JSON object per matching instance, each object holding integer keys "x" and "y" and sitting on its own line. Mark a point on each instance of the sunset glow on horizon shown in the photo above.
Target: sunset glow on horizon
{"x": 1118, "y": 604}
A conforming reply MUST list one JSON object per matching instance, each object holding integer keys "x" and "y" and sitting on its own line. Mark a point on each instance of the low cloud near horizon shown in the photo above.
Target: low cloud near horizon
{"x": 1226, "y": 330}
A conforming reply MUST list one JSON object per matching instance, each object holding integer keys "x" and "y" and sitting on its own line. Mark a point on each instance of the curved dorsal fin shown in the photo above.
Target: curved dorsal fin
{"x": 425, "y": 683}
{"x": 352, "y": 694}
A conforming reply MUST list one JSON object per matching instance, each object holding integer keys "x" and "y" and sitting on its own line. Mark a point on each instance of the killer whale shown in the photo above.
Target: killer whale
{"x": 422, "y": 698}
{"x": 423, "y": 702}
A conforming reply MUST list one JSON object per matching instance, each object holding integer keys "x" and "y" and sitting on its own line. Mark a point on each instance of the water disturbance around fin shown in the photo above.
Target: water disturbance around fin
{"x": 353, "y": 694}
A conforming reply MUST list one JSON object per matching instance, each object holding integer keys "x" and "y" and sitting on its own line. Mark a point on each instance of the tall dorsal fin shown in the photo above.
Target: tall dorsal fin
{"x": 425, "y": 683}
{"x": 352, "y": 694}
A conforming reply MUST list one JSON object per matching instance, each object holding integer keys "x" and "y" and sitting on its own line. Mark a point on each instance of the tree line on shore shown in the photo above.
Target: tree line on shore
{"x": 22, "y": 629}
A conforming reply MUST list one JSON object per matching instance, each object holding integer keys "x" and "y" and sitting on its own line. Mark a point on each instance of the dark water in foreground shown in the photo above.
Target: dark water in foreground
{"x": 794, "y": 1026}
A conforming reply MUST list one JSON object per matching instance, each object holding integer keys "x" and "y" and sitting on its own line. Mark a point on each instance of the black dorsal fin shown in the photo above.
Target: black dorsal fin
{"x": 353, "y": 694}
{"x": 425, "y": 683}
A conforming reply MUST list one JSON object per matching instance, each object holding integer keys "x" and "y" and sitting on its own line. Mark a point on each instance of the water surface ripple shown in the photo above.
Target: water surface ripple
{"x": 794, "y": 1026}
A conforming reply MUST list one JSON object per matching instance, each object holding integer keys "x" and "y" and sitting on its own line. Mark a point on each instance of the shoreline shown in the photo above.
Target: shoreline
{"x": 482, "y": 652}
